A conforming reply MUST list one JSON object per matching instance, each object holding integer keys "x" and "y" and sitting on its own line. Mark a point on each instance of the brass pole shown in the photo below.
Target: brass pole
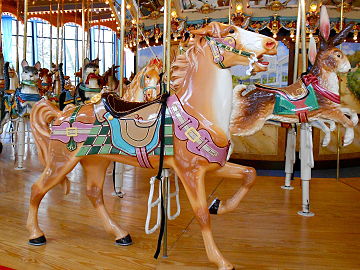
{"x": 303, "y": 36}
{"x": 17, "y": 39}
{"x": 57, "y": 34}
{"x": 297, "y": 43}
{"x": 167, "y": 42}
{"x": 83, "y": 34}
{"x": 230, "y": 9}
{"x": 25, "y": 28}
{"x": 62, "y": 33}
{"x": 51, "y": 35}
{"x": 338, "y": 126}
{"x": 122, "y": 39}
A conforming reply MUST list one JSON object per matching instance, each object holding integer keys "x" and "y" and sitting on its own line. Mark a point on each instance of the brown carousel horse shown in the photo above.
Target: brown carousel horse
{"x": 45, "y": 81}
{"x": 200, "y": 110}
{"x": 109, "y": 78}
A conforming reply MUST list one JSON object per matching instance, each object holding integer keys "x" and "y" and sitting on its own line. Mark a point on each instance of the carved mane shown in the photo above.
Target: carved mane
{"x": 186, "y": 62}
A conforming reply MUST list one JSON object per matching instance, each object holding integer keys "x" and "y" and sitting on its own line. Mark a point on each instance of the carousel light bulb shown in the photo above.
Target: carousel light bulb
{"x": 239, "y": 8}
{"x": 274, "y": 35}
{"x": 128, "y": 6}
{"x": 313, "y": 7}
{"x": 133, "y": 21}
{"x": 107, "y": 2}
{"x": 156, "y": 40}
{"x": 173, "y": 14}
{"x": 310, "y": 35}
{"x": 292, "y": 35}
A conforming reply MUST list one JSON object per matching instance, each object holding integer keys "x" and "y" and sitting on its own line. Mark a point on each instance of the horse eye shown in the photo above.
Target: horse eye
{"x": 232, "y": 31}
{"x": 338, "y": 55}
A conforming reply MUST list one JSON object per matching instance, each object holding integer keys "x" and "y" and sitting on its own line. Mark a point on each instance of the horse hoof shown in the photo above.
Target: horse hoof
{"x": 214, "y": 207}
{"x": 125, "y": 241}
{"x": 38, "y": 241}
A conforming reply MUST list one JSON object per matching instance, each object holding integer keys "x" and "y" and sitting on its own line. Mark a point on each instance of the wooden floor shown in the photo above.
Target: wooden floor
{"x": 263, "y": 233}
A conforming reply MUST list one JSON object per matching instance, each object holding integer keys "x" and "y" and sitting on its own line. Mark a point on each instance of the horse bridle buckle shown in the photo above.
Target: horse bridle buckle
{"x": 71, "y": 132}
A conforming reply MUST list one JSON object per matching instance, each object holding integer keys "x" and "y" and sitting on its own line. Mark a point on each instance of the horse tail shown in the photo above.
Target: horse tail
{"x": 251, "y": 109}
{"x": 42, "y": 113}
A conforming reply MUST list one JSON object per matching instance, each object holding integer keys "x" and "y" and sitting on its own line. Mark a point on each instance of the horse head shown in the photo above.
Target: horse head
{"x": 232, "y": 45}
{"x": 149, "y": 81}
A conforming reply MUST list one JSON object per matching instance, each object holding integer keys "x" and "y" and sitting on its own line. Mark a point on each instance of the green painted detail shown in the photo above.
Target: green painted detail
{"x": 99, "y": 140}
{"x": 284, "y": 106}
{"x": 71, "y": 145}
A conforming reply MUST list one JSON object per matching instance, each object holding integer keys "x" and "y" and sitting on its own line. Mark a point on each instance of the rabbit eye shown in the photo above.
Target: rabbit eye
{"x": 232, "y": 31}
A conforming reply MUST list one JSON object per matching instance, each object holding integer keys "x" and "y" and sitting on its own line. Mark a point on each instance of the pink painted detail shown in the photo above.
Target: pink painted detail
{"x": 81, "y": 137}
{"x": 313, "y": 80}
{"x": 139, "y": 157}
{"x": 186, "y": 127}
{"x": 145, "y": 157}
{"x": 63, "y": 138}
{"x": 82, "y": 129}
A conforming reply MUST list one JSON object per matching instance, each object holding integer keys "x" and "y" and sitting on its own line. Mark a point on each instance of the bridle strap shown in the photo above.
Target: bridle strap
{"x": 218, "y": 58}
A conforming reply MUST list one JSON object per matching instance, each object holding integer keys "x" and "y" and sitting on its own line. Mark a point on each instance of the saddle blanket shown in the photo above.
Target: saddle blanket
{"x": 105, "y": 138}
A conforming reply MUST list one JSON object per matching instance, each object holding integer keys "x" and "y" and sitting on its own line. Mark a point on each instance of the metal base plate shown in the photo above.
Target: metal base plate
{"x": 118, "y": 194}
{"x": 287, "y": 187}
{"x": 306, "y": 214}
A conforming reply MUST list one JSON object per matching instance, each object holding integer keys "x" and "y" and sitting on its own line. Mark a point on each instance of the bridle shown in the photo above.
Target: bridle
{"x": 142, "y": 84}
{"x": 216, "y": 44}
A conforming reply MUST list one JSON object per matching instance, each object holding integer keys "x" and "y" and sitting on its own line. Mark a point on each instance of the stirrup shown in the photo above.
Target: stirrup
{"x": 171, "y": 195}
{"x": 152, "y": 204}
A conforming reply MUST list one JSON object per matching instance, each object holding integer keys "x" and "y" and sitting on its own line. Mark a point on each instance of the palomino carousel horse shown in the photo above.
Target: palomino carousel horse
{"x": 145, "y": 85}
{"x": 314, "y": 98}
{"x": 94, "y": 135}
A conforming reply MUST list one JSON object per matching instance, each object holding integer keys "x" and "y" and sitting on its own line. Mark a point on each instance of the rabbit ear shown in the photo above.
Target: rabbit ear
{"x": 324, "y": 23}
{"x": 38, "y": 65}
{"x": 312, "y": 50}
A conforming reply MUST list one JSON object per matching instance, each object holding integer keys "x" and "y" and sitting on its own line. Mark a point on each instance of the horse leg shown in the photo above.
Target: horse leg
{"x": 95, "y": 171}
{"x": 195, "y": 190}
{"x": 52, "y": 175}
{"x": 231, "y": 170}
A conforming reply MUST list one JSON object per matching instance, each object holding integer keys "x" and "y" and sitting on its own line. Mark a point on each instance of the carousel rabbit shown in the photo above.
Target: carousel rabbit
{"x": 91, "y": 80}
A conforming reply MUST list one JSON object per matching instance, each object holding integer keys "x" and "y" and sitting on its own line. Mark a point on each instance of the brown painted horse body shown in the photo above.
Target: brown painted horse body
{"x": 204, "y": 91}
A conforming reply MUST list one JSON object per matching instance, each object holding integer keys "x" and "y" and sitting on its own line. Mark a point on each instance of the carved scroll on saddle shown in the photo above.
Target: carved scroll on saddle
{"x": 292, "y": 92}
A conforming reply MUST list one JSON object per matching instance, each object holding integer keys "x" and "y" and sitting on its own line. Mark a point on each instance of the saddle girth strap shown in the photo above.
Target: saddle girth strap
{"x": 71, "y": 145}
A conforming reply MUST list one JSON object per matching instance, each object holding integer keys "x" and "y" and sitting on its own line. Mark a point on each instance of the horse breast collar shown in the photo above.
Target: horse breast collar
{"x": 314, "y": 81}
{"x": 199, "y": 141}
{"x": 228, "y": 44}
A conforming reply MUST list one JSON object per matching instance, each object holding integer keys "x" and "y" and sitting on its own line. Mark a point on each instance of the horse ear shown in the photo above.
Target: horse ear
{"x": 96, "y": 61}
{"x": 312, "y": 50}
{"x": 339, "y": 38}
{"x": 24, "y": 63}
{"x": 324, "y": 23}
{"x": 213, "y": 29}
{"x": 38, "y": 65}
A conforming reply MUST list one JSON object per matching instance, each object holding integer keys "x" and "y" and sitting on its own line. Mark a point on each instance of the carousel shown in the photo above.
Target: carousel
{"x": 179, "y": 134}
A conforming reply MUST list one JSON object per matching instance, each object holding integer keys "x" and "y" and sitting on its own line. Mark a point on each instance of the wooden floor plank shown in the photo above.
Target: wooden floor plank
{"x": 265, "y": 232}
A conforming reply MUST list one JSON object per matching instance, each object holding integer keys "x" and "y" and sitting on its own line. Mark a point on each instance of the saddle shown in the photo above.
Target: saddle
{"x": 292, "y": 92}
{"x": 118, "y": 107}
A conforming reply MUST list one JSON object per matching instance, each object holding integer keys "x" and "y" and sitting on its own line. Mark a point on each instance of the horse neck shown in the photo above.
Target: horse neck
{"x": 93, "y": 83}
{"x": 207, "y": 94}
{"x": 134, "y": 91}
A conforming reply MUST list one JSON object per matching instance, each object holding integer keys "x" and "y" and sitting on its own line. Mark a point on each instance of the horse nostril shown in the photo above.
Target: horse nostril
{"x": 270, "y": 45}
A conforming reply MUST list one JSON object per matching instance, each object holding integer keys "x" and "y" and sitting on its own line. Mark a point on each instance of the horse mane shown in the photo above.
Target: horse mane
{"x": 186, "y": 62}
{"x": 135, "y": 84}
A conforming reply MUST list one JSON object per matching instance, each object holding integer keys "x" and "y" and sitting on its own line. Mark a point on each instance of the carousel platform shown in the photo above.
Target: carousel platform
{"x": 265, "y": 232}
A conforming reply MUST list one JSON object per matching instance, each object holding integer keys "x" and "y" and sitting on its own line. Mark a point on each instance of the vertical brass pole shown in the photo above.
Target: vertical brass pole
{"x": 338, "y": 126}
{"x": 51, "y": 35}
{"x": 57, "y": 34}
{"x": 230, "y": 10}
{"x": 297, "y": 43}
{"x": 25, "y": 28}
{"x": 62, "y": 33}
{"x": 83, "y": 34}
{"x": 303, "y": 36}
{"x": 17, "y": 39}
{"x": 168, "y": 43}
{"x": 122, "y": 44}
